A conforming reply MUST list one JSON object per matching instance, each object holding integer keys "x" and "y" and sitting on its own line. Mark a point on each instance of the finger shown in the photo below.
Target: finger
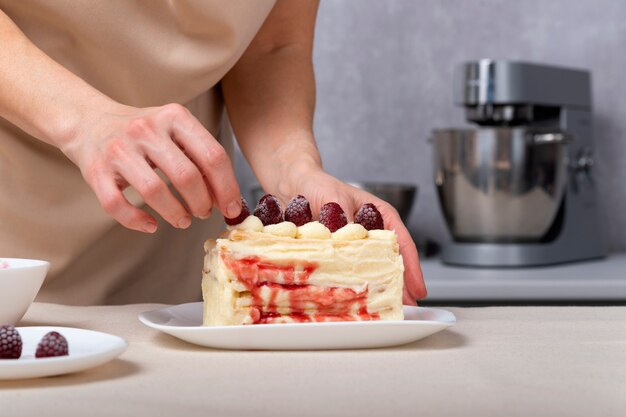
{"x": 212, "y": 160}
{"x": 155, "y": 192}
{"x": 407, "y": 299}
{"x": 345, "y": 201}
{"x": 117, "y": 206}
{"x": 413, "y": 277}
{"x": 358, "y": 197}
{"x": 184, "y": 175}
{"x": 347, "y": 205}
{"x": 362, "y": 197}
{"x": 351, "y": 209}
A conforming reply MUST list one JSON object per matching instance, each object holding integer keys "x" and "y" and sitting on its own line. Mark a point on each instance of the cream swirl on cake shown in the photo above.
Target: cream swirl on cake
{"x": 277, "y": 273}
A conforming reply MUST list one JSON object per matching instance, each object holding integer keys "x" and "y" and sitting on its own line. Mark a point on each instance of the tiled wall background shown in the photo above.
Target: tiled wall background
{"x": 384, "y": 71}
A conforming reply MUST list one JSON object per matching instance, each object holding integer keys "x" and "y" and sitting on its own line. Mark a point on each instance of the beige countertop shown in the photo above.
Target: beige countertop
{"x": 497, "y": 361}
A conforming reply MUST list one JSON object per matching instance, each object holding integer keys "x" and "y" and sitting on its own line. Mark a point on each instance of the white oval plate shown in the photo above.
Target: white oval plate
{"x": 185, "y": 322}
{"x": 87, "y": 349}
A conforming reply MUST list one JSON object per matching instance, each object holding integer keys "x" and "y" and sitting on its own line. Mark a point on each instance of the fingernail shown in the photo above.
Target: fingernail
{"x": 233, "y": 209}
{"x": 149, "y": 227}
{"x": 184, "y": 223}
{"x": 206, "y": 215}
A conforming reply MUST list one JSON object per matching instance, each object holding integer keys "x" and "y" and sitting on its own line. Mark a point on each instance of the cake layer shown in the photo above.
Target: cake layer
{"x": 255, "y": 277}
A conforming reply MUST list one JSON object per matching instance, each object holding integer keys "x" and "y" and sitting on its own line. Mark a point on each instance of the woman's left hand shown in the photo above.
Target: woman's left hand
{"x": 320, "y": 188}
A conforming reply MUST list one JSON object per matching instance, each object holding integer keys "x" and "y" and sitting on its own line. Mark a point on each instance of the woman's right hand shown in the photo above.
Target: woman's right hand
{"x": 124, "y": 146}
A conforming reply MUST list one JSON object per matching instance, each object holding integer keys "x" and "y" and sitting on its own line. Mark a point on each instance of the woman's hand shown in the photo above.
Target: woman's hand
{"x": 124, "y": 146}
{"x": 320, "y": 188}
{"x": 115, "y": 145}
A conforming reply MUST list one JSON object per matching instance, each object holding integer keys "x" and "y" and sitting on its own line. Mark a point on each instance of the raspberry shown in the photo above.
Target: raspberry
{"x": 245, "y": 212}
{"x": 51, "y": 345}
{"x": 369, "y": 217}
{"x": 10, "y": 343}
{"x": 298, "y": 211}
{"x": 268, "y": 210}
{"x": 332, "y": 216}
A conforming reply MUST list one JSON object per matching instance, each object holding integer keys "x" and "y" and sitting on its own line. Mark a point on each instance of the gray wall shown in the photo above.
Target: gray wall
{"x": 384, "y": 71}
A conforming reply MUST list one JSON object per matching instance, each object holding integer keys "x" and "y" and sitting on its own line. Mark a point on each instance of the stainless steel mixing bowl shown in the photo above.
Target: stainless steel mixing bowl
{"x": 399, "y": 195}
{"x": 499, "y": 184}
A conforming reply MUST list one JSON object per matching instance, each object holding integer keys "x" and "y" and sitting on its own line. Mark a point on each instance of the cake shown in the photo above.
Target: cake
{"x": 269, "y": 268}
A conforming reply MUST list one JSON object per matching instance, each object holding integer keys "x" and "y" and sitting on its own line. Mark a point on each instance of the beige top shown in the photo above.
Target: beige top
{"x": 140, "y": 53}
{"x": 498, "y": 361}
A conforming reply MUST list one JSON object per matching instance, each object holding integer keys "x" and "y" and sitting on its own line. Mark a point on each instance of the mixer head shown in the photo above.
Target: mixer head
{"x": 508, "y": 93}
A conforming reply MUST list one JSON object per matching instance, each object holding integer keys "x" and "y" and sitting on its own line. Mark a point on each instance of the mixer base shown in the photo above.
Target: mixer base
{"x": 521, "y": 254}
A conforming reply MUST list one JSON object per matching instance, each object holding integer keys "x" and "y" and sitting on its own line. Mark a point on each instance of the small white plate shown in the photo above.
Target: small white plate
{"x": 185, "y": 322}
{"x": 87, "y": 348}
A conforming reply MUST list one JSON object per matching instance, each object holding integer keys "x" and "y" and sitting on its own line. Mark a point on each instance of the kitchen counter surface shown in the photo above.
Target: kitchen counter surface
{"x": 497, "y": 361}
{"x": 597, "y": 280}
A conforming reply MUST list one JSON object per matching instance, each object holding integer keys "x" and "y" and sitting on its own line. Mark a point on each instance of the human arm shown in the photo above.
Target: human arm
{"x": 115, "y": 145}
{"x": 270, "y": 97}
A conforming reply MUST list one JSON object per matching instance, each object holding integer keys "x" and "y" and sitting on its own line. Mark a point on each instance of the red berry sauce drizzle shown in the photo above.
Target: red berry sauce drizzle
{"x": 331, "y": 303}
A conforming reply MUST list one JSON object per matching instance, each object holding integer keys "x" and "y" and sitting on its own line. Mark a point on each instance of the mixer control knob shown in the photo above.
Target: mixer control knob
{"x": 583, "y": 162}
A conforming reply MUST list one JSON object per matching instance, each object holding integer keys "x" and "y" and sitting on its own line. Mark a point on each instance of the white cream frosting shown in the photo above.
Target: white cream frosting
{"x": 313, "y": 230}
{"x": 251, "y": 223}
{"x": 351, "y": 231}
{"x": 382, "y": 234}
{"x": 283, "y": 229}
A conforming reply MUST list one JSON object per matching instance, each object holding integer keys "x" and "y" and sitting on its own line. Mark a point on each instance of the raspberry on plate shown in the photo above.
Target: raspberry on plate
{"x": 268, "y": 210}
{"x": 333, "y": 217}
{"x": 10, "y": 343}
{"x": 298, "y": 211}
{"x": 369, "y": 217}
{"x": 245, "y": 212}
{"x": 51, "y": 345}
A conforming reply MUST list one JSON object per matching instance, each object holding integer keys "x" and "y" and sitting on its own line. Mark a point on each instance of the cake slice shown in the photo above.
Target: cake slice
{"x": 281, "y": 273}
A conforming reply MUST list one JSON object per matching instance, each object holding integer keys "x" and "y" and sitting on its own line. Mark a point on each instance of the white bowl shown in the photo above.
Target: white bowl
{"x": 20, "y": 281}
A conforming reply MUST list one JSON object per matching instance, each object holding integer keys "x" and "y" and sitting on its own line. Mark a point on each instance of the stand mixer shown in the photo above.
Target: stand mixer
{"x": 519, "y": 190}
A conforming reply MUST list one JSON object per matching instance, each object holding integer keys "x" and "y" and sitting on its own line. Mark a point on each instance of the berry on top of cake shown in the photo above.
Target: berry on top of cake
{"x": 369, "y": 217}
{"x": 298, "y": 211}
{"x": 268, "y": 210}
{"x": 333, "y": 216}
{"x": 276, "y": 267}
{"x": 245, "y": 212}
